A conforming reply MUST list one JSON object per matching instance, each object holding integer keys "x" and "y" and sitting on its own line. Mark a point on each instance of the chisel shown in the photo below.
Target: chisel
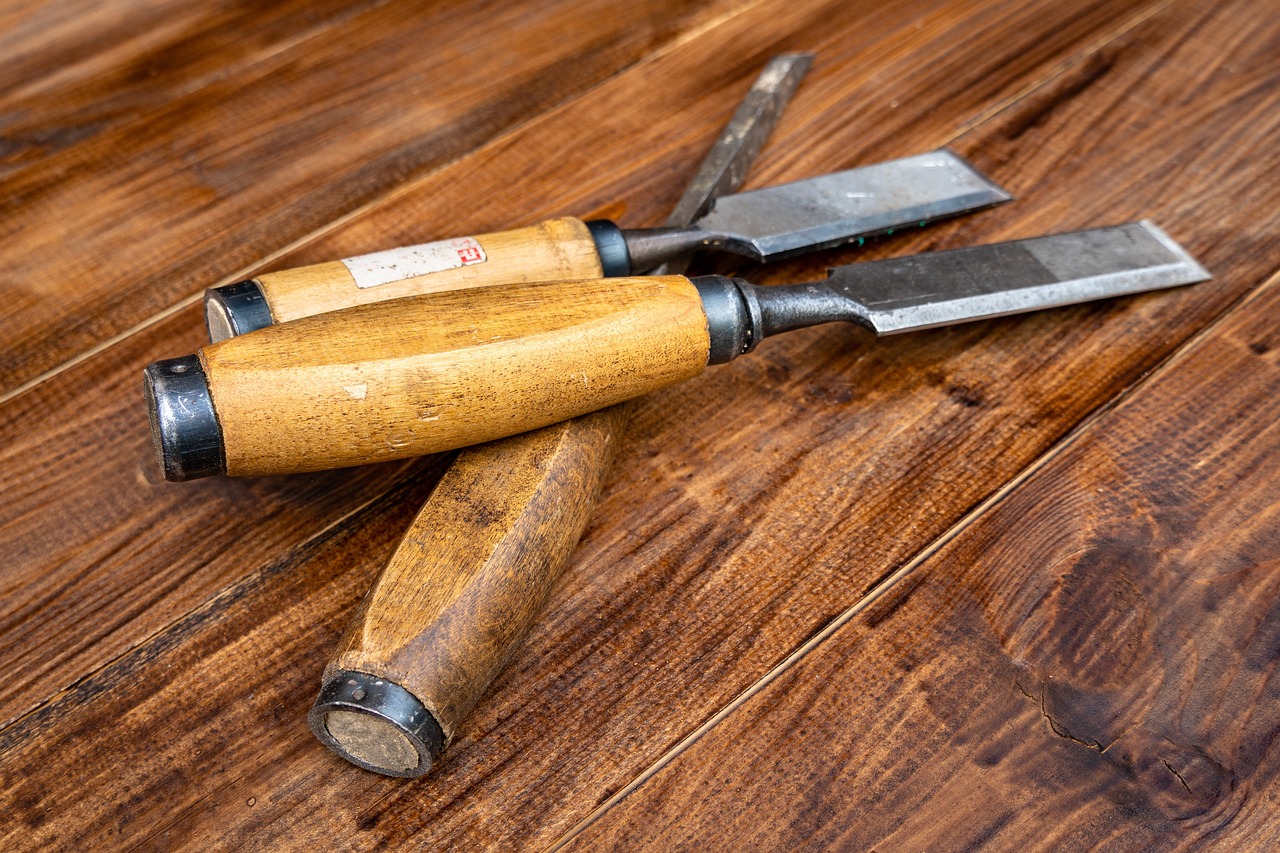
{"x": 434, "y": 372}
{"x": 764, "y": 225}
{"x": 475, "y": 566}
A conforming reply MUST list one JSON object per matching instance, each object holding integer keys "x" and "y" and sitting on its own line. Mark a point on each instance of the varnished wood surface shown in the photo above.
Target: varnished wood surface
{"x": 194, "y": 183}
{"x": 424, "y": 374}
{"x": 1076, "y": 648}
{"x": 556, "y": 249}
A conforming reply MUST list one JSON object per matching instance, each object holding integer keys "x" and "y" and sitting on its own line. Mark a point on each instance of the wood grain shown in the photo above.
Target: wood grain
{"x": 1092, "y": 662}
{"x": 425, "y": 374}
{"x": 802, "y": 524}
{"x": 100, "y": 552}
{"x": 557, "y": 249}
{"x": 190, "y": 192}
{"x": 717, "y": 552}
{"x": 72, "y": 70}
{"x": 254, "y": 632}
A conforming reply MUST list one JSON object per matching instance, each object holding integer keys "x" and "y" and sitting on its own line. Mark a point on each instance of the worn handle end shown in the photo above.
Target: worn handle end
{"x": 376, "y": 724}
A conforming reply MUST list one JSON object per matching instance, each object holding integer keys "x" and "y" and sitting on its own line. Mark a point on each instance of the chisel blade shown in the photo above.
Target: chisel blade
{"x": 818, "y": 213}
{"x": 942, "y": 288}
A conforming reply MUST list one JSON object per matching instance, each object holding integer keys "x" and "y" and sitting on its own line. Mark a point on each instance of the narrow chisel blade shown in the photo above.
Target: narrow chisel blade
{"x": 941, "y": 288}
{"x": 725, "y": 166}
{"x": 803, "y": 216}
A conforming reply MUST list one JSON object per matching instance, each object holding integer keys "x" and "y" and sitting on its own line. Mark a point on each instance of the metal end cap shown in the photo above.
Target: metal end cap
{"x": 184, "y": 429}
{"x": 376, "y": 724}
{"x": 235, "y": 309}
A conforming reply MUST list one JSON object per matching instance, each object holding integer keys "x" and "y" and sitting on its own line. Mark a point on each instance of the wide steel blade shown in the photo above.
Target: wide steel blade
{"x": 941, "y": 288}
{"x": 817, "y": 213}
{"x": 725, "y": 166}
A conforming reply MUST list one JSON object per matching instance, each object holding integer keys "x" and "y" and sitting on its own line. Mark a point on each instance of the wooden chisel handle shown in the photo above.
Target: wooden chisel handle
{"x": 555, "y": 250}
{"x": 460, "y": 593}
{"x": 422, "y": 374}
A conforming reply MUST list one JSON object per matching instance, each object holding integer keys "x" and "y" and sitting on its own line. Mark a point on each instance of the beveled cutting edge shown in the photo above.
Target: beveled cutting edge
{"x": 781, "y": 221}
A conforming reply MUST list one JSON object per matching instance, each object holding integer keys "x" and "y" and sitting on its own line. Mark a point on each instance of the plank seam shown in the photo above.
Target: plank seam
{"x": 1088, "y": 50}
{"x": 315, "y": 235}
{"x": 210, "y": 604}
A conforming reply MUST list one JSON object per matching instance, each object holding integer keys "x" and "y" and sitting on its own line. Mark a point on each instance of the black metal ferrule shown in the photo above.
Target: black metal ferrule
{"x": 732, "y": 317}
{"x": 385, "y": 702}
{"x": 235, "y": 309}
{"x": 184, "y": 428}
{"x": 615, "y": 258}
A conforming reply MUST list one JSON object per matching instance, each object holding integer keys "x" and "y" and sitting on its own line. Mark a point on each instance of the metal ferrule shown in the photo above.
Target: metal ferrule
{"x": 732, "y": 318}
{"x": 235, "y": 309}
{"x": 615, "y": 257}
{"x": 376, "y": 724}
{"x": 184, "y": 428}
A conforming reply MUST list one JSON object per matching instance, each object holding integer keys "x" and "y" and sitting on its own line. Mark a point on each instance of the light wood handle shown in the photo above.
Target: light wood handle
{"x": 468, "y": 580}
{"x": 430, "y": 373}
{"x": 555, "y": 250}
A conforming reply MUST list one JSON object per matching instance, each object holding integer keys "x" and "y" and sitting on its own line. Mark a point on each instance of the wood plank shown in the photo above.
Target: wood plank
{"x": 651, "y": 630}
{"x": 194, "y": 191}
{"x": 1091, "y": 663}
{"x": 70, "y": 70}
{"x": 653, "y": 627}
{"x": 265, "y": 624}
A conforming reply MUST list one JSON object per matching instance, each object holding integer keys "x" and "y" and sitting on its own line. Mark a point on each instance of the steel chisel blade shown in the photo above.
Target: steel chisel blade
{"x": 803, "y": 216}
{"x": 941, "y": 288}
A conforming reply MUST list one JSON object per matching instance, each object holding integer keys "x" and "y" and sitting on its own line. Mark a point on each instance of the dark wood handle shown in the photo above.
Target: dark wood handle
{"x": 445, "y": 370}
{"x": 465, "y": 584}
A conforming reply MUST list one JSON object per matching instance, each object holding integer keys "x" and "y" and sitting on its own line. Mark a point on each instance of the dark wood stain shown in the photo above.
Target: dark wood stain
{"x": 1089, "y": 663}
{"x": 1096, "y": 656}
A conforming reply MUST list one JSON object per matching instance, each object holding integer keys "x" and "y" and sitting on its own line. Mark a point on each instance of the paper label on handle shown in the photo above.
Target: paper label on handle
{"x": 412, "y": 261}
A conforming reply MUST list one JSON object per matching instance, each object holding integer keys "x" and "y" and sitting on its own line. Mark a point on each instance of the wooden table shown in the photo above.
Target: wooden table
{"x": 1014, "y": 585}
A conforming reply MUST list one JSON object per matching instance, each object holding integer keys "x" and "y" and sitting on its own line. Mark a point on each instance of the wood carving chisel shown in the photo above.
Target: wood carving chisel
{"x": 430, "y": 373}
{"x": 764, "y": 225}
{"x": 474, "y": 569}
